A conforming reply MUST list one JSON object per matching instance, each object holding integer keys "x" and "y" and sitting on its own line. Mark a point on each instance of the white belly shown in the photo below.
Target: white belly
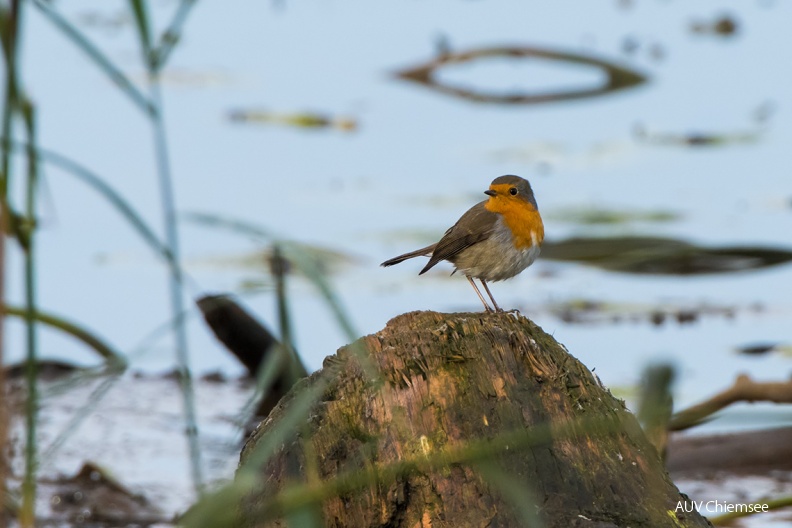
{"x": 496, "y": 259}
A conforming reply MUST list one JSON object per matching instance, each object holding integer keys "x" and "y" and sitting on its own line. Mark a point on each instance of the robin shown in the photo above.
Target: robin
{"x": 494, "y": 240}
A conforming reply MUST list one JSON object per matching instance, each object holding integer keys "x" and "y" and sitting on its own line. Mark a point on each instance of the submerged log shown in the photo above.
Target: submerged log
{"x": 487, "y": 420}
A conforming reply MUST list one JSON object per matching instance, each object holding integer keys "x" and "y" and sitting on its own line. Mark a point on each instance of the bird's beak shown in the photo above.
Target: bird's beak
{"x": 490, "y": 192}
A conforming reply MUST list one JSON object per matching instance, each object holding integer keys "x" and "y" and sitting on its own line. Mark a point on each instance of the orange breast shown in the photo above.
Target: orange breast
{"x": 521, "y": 217}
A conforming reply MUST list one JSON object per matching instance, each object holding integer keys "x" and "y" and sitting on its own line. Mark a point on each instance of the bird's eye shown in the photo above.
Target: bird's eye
{"x": 513, "y": 191}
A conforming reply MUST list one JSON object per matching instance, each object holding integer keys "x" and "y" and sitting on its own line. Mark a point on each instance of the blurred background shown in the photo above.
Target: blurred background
{"x": 299, "y": 118}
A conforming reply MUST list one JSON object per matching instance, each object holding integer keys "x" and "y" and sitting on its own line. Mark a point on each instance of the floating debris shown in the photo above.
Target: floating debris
{"x": 49, "y": 369}
{"x": 188, "y": 78}
{"x": 632, "y": 44}
{"x": 587, "y": 311}
{"x": 590, "y": 216}
{"x": 93, "y": 497}
{"x": 111, "y": 22}
{"x": 299, "y": 120}
{"x": 696, "y": 139}
{"x": 616, "y": 77}
{"x": 758, "y": 349}
{"x": 328, "y": 261}
{"x": 721, "y": 26}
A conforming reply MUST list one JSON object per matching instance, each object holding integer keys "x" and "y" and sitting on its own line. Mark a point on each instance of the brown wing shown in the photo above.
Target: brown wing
{"x": 475, "y": 225}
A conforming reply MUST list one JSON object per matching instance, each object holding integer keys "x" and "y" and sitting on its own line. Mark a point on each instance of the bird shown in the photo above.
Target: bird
{"x": 494, "y": 240}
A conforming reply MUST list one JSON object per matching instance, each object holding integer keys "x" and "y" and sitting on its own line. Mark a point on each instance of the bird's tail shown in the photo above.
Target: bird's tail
{"x": 423, "y": 252}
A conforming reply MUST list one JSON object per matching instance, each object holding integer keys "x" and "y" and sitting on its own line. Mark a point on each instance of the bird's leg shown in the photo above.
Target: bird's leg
{"x": 484, "y": 283}
{"x": 486, "y": 306}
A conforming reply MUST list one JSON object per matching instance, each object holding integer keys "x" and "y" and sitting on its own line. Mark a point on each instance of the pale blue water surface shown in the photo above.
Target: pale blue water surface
{"x": 418, "y": 160}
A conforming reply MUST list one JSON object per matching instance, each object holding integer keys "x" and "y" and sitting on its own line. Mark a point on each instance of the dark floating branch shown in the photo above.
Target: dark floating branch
{"x": 617, "y": 77}
{"x": 251, "y": 342}
{"x": 762, "y": 348}
{"x": 661, "y": 256}
{"x": 241, "y": 334}
{"x": 742, "y": 453}
{"x": 744, "y": 390}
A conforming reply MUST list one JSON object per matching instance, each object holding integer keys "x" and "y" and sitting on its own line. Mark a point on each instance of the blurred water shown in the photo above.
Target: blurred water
{"x": 418, "y": 160}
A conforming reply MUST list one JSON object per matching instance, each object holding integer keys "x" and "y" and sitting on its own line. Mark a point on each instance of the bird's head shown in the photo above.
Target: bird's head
{"x": 510, "y": 190}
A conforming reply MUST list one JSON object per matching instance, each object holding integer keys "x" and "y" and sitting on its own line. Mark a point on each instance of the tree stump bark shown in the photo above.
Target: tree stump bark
{"x": 452, "y": 381}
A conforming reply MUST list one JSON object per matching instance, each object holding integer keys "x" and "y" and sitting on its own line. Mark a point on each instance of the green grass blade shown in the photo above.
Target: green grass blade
{"x": 219, "y": 508}
{"x": 100, "y": 185}
{"x": 27, "y": 241}
{"x": 96, "y": 55}
{"x": 279, "y": 267}
{"x": 306, "y": 517}
{"x": 656, "y": 404}
{"x": 238, "y": 227}
{"x": 311, "y": 268}
{"x": 268, "y": 372}
{"x": 296, "y": 496}
{"x": 114, "y": 371}
{"x": 295, "y": 253}
{"x": 172, "y": 35}
{"x": 78, "y": 332}
{"x": 176, "y": 279}
{"x": 516, "y": 492}
{"x": 306, "y": 262}
{"x": 9, "y": 22}
{"x": 8, "y": 38}
{"x": 140, "y": 13}
{"x": 305, "y": 394}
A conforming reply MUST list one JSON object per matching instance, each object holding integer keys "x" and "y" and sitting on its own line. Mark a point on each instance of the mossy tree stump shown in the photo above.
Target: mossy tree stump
{"x": 495, "y": 382}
